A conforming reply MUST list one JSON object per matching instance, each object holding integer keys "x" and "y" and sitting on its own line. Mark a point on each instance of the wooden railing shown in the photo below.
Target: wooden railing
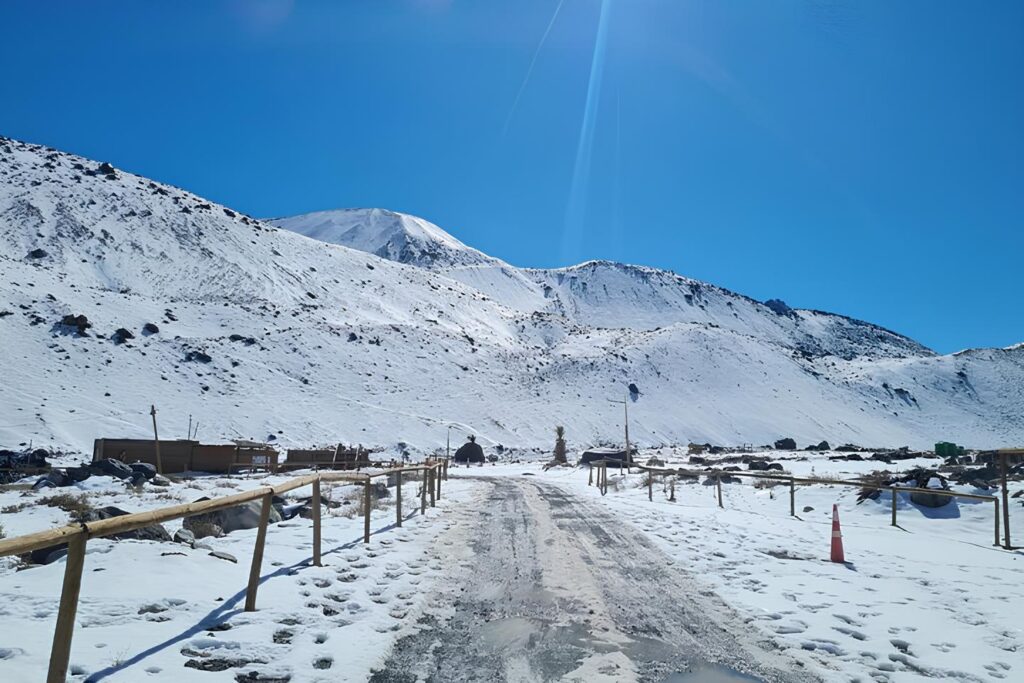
{"x": 602, "y": 484}
{"x": 77, "y": 535}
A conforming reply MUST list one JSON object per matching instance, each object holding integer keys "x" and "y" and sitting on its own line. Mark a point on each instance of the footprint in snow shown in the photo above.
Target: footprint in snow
{"x": 856, "y": 635}
{"x": 790, "y": 627}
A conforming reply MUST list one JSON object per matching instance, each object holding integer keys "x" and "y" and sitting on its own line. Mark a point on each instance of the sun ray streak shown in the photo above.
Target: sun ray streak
{"x": 575, "y": 213}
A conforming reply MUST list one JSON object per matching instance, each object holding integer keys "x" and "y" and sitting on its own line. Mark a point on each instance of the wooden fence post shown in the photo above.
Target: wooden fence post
{"x": 432, "y": 485}
{"x": 437, "y": 476}
{"x": 423, "y": 493}
{"x": 672, "y": 490}
{"x": 156, "y": 442}
{"x": 398, "y": 498}
{"x": 61, "y": 652}
{"x": 446, "y": 469}
{"x": 257, "y": 554}
{"x": 1006, "y": 503}
{"x": 718, "y": 484}
{"x": 792, "y": 497}
{"x": 367, "y": 492}
{"x": 590, "y": 476}
{"x": 893, "y": 491}
{"x": 996, "y": 501}
{"x": 316, "y": 523}
{"x": 650, "y": 486}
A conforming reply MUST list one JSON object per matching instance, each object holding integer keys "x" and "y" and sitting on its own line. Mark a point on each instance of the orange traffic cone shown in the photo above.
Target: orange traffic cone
{"x": 837, "y": 537}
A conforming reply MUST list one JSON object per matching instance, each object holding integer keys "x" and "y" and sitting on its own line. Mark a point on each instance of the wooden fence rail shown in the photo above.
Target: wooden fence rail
{"x": 76, "y": 537}
{"x": 602, "y": 478}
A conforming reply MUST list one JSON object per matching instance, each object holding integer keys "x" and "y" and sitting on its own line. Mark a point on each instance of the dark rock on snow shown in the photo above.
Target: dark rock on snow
{"x": 121, "y": 336}
{"x": 184, "y": 536}
{"x": 156, "y": 532}
{"x": 75, "y": 324}
{"x": 785, "y": 444}
{"x": 111, "y": 468}
{"x": 245, "y": 516}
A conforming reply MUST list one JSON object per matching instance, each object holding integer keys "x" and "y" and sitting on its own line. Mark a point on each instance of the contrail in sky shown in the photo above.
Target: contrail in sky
{"x": 575, "y": 213}
{"x": 529, "y": 70}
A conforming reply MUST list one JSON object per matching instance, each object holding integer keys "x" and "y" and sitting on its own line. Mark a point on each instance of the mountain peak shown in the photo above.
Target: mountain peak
{"x": 388, "y": 234}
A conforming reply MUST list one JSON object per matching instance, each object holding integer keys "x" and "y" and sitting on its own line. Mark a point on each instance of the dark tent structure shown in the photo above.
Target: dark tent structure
{"x": 612, "y": 454}
{"x": 469, "y": 452}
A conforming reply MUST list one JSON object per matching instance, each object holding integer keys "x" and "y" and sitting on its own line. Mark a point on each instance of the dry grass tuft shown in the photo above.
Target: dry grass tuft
{"x": 75, "y": 506}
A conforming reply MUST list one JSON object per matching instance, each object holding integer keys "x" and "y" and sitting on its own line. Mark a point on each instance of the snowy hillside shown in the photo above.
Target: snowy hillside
{"x": 257, "y": 332}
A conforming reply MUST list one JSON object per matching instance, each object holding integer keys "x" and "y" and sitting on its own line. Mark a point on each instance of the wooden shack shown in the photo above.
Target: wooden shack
{"x": 189, "y": 456}
{"x": 338, "y": 458}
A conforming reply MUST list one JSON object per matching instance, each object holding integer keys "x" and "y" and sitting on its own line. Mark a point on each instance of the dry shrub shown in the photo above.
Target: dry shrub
{"x": 75, "y": 506}
{"x": 11, "y": 509}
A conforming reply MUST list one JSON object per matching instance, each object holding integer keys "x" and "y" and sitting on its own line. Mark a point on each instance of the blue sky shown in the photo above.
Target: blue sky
{"x": 865, "y": 158}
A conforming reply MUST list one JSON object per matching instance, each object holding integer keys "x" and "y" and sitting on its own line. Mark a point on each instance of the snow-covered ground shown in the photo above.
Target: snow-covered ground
{"x": 931, "y": 599}
{"x": 149, "y": 608}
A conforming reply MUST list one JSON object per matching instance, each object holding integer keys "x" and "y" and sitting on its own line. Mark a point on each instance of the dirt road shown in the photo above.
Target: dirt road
{"x": 544, "y": 585}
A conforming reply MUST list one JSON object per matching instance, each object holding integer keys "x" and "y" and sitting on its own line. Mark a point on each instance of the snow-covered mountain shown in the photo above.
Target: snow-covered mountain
{"x": 394, "y": 236}
{"x": 117, "y": 292}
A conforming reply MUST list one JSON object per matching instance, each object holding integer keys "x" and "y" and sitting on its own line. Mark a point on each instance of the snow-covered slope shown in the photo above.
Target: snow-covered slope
{"x": 262, "y": 331}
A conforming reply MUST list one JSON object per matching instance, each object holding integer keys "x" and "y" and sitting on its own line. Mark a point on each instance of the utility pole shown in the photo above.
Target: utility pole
{"x": 625, "y": 407}
{"x": 156, "y": 441}
{"x": 629, "y": 453}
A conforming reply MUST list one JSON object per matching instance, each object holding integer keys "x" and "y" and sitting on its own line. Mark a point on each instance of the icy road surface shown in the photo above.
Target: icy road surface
{"x": 545, "y": 585}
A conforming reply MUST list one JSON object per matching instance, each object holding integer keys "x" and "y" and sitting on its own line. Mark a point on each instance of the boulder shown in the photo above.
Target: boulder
{"x": 53, "y": 479}
{"x": 244, "y": 516}
{"x": 37, "y": 253}
{"x": 121, "y": 335}
{"x": 149, "y": 328}
{"x": 110, "y": 468}
{"x": 655, "y": 462}
{"x": 757, "y": 465}
{"x": 785, "y": 444}
{"x": 185, "y": 536}
{"x": 155, "y": 532}
{"x": 75, "y": 324}
{"x": 148, "y": 469}
{"x": 136, "y": 479}
{"x": 79, "y": 473}
{"x": 160, "y": 480}
{"x": 774, "y": 466}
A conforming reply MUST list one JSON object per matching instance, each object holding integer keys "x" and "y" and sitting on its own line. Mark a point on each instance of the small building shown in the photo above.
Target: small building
{"x": 183, "y": 455}
{"x": 338, "y": 458}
